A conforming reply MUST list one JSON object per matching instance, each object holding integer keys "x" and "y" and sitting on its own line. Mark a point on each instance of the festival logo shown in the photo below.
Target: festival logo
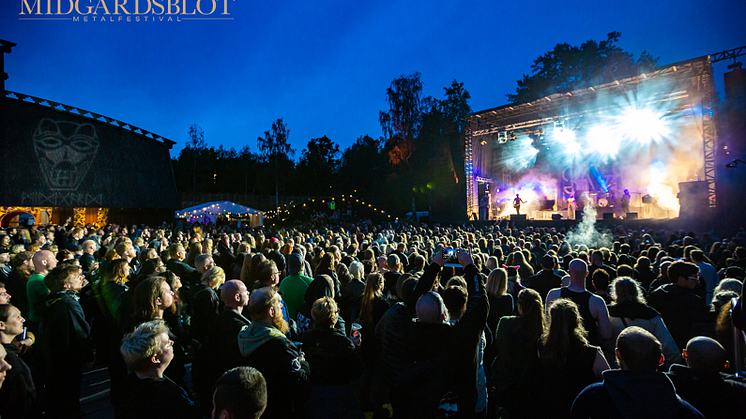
{"x": 65, "y": 151}
{"x": 146, "y": 11}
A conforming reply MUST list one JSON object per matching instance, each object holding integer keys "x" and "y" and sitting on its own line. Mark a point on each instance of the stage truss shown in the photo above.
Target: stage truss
{"x": 494, "y": 124}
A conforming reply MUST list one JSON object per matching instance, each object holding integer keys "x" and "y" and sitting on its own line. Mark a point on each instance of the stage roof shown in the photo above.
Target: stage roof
{"x": 531, "y": 115}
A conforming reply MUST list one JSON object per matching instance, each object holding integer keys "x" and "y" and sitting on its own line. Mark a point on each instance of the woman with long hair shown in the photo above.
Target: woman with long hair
{"x": 206, "y": 302}
{"x": 570, "y": 364}
{"x": 629, "y": 308}
{"x": 253, "y": 274}
{"x": 23, "y": 267}
{"x": 153, "y": 297}
{"x": 501, "y": 305}
{"x": 353, "y": 291}
{"x": 195, "y": 249}
{"x": 18, "y": 395}
{"x": 372, "y": 308}
{"x": 524, "y": 268}
{"x": 516, "y": 371}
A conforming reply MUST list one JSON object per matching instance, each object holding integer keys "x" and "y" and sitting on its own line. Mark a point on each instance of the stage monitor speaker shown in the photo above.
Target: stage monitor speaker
{"x": 631, "y": 216}
{"x": 518, "y": 217}
{"x": 608, "y": 216}
{"x": 579, "y": 215}
{"x": 556, "y": 216}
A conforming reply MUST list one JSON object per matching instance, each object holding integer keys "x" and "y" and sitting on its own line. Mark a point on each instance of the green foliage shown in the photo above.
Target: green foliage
{"x": 401, "y": 124}
{"x": 275, "y": 141}
{"x": 318, "y": 166}
{"x": 568, "y": 68}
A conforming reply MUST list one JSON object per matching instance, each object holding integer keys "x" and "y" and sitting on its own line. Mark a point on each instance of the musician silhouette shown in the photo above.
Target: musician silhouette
{"x": 517, "y": 204}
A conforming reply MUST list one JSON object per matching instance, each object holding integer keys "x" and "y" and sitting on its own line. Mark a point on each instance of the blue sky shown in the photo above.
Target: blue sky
{"x": 324, "y": 66}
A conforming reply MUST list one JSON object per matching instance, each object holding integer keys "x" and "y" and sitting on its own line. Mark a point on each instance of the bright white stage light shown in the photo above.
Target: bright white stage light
{"x": 643, "y": 125}
{"x": 603, "y": 140}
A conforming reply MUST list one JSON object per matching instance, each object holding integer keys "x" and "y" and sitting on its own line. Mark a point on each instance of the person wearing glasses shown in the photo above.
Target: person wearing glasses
{"x": 678, "y": 303}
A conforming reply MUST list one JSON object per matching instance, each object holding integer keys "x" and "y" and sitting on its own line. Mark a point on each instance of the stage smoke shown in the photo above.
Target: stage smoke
{"x": 585, "y": 233}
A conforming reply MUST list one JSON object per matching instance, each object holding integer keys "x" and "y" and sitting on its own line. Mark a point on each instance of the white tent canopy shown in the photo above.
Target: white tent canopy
{"x": 208, "y": 212}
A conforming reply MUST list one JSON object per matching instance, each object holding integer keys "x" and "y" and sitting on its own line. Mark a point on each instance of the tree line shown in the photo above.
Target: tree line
{"x": 417, "y": 162}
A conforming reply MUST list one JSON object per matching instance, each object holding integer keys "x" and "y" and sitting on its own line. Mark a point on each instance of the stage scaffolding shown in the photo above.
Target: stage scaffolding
{"x": 695, "y": 88}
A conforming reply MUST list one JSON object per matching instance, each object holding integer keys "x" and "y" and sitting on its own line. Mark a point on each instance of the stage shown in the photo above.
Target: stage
{"x": 641, "y": 147}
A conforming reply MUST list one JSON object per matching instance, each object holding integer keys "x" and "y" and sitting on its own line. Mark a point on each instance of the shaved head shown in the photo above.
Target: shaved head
{"x": 578, "y": 271}
{"x": 431, "y": 309}
{"x": 44, "y": 261}
{"x": 706, "y": 354}
{"x": 234, "y": 294}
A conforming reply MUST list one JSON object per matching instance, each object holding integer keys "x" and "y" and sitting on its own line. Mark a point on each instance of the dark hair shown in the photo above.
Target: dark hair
{"x": 565, "y": 326}
{"x": 532, "y": 320}
{"x": 146, "y": 295}
{"x": 601, "y": 279}
{"x": 454, "y": 298}
{"x": 242, "y": 391}
{"x": 681, "y": 269}
{"x": 5, "y": 312}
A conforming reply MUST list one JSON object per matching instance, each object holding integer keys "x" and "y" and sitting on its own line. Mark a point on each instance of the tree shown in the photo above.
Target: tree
{"x": 196, "y": 145}
{"x": 272, "y": 146}
{"x": 402, "y": 123}
{"x": 318, "y": 165}
{"x": 361, "y": 167}
{"x": 568, "y": 68}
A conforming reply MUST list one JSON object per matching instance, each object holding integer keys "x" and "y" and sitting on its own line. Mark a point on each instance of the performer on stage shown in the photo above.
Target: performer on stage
{"x": 625, "y": 201}
{"x": 517, "y": 204}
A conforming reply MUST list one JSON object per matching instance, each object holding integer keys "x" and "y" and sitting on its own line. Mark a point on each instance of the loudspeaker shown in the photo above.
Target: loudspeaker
{"x": 556, "y": 216}
{"x": 608, "y": 216}
{"x": 631, "y": 215}
{"x": 693, "y": 199}
{"x": 517, "y": 217}
{"x": 578, "y": 215}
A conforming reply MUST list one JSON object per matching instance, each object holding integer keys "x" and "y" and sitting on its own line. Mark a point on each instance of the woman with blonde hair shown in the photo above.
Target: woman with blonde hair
{"x": 501, "y": 305}
{"x": 207, "y": 246}
{"x": 570, "y": 364}
{"x": 206, "y": 302}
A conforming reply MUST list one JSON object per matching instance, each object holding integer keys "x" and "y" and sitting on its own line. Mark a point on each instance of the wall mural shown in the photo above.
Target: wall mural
{"x": 65, "y": 151}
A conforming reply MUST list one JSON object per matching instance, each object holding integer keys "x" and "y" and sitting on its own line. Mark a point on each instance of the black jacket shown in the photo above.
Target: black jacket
{"x": 680, "y": 308}
{"x": 64, "y": 332}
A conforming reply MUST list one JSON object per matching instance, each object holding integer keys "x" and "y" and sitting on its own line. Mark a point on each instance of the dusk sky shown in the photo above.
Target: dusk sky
{"x": 324, "y": 66}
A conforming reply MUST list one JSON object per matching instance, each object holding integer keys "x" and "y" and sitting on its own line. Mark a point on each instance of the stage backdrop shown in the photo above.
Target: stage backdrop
{"x": 59, "y": 158}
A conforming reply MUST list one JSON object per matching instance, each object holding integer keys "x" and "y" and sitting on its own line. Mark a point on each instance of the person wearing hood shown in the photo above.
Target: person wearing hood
{"x": 264, "y": 346}
{"x": 636, "y": 390}
{"x": 321, "y": 286}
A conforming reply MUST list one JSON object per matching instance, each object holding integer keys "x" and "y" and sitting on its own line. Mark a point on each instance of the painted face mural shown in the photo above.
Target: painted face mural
{"x": 65, "y": 151}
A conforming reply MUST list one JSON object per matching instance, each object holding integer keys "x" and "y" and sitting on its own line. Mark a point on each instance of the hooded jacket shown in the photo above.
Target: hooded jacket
{"x": 629, "y": 313}
{"x": 632, "y": 395}
{"x": 281, "y": 363}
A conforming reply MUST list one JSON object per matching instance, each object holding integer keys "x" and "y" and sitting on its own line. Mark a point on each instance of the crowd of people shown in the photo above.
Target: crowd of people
{"x": 396, "y": 320}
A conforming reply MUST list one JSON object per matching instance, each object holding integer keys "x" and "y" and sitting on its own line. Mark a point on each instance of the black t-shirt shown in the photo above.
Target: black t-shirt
{"x": 156, "y": 398}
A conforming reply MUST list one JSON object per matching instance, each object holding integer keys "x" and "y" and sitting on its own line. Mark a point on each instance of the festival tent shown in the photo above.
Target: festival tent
{"x": 209, "y": 212}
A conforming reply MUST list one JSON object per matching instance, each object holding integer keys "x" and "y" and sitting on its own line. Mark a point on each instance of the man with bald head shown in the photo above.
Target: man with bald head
{"x": 636, "y": 390}
{"x": 702, "y": 382}
{"x": 592, "y": 307}
{"x": 36, "y": 291}
{"x": 264, "y": 346}
{"x": 220, "y": 351}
